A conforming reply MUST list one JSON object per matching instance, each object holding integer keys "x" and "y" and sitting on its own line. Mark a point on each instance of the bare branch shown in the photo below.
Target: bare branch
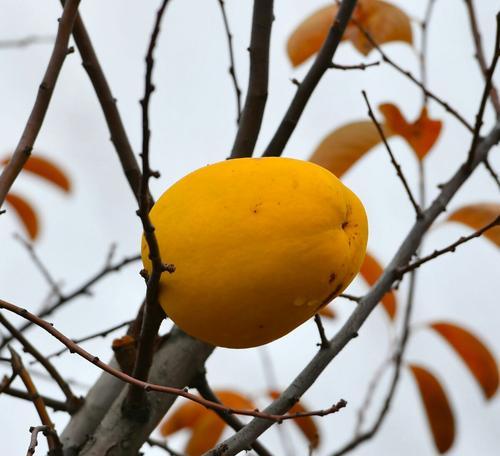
{"x": 324, "y": 342}
{"x": 481, "y": 60}
{"x": 159, "y": 444}
{"x": 451, "y": 248}
{"x": 207, "y": 393}
{"x": 54, "y": 404}
{"x": 232, "y": 66}
{"x": 52, "y": 437}
{"x": 412, "y": 78}
{"x": 360, "y": 66}
{"x": 72, "y": 401}
{"x": 45, "y": 90}
{"x": 396, "y": 165}
{"x": 492, "y": 172}
{"x": 136, "y": 406}
{"x": 423, "y": 47}
{"x": 306, "y": 87}
{"x": 366, "y": 305}
{"x": 26, "y": 41}
{"x": 83, "y": 289}
{"x": 34, "y": 437}
{"x": 486, "y": 92}
{"x": 255, "y": 101}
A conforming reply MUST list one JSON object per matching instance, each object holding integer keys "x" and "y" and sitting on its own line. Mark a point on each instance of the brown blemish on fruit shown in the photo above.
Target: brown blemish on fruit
{"x": 332, "y": 278}
{"x": 344, "y": 225}
{"x": 261, "y": 326}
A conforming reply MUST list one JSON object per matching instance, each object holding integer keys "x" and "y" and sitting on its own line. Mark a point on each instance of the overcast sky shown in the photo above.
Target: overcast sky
{"x": 193, "y": 124}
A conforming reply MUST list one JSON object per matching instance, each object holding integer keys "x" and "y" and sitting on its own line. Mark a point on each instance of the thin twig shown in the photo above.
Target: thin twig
{"x": 305, "y": 89}
{"x": 492, "y": 172}
{"x": 487, "y": 87}
{"x": 412, "y": 78}
{"x": 360, "y": 66}
{"x": 451, "y": 248}
{"x": 255, "y": 101}
{"x": 39, "y": 264}
{"x": 72, "y": 401}
{"x": 367, "y": 304}
{"x": 479, "y": 54}
{"x": 74, "y": 348}
{"x": 26, "y": 41}
{"x": 52, "y": 437}
{"x": 83, "y": 289}
{"x": 35, "y": 430}
{"x": 54, "y": 404}
{"x": 136, "y": 405}
{"x": 207, "y": 393}
{"x": 350, "y": 297}
{"x": 423, "y": 46}
{"x": 418, "y": 210}
{"x": 324, "y": 342}
{"x": 102, "y": 333}
{"x": 232, "y": 66}
{"x": 45, "y": 90}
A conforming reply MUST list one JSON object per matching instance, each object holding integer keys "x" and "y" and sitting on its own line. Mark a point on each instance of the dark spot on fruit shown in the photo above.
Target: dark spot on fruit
{"x": 332, "y": 277}
{"x": 261, "y": 326}
{"x": 344, "y": 225}
{"x": 337, "y": 290}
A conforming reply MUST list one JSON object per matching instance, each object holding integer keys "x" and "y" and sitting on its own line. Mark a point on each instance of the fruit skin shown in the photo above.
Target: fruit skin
{"x": 259, "y": 246}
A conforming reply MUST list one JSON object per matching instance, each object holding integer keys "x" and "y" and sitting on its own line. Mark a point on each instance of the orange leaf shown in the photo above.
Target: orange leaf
{"x": 371, "y": 271}
{"x": 384, "y": 22}
{"x": 437, "y": 408}
{"x": 305, "y": 424}
{"x": 476, "y": 216}
{"x": 46, "y": 169}
{"x": 184, "y": 417}
{"x": 25, "y": 212}
{"x": 474, "y": 353}
{"x": 327, "y": 312}
{"x": 206, "y": 433}
{"x": 206, "y": 426}
{"x": 421, "y": 135}
{"x": 345, "y": 146}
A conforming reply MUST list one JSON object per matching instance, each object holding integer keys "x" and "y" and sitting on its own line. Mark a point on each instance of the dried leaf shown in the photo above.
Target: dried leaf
{"x": 371, "y": 271}
{"x": 437, "y": 408}
{"x": 346, "y": 145}
{"x": 474, "y": 353}
{"x": 305, "y": 424}
{"x": 207, "y": 431}
{"x": 476, "y": 216}
{"x": 206, "y": 426}
{"x": 327, "y": 312}
{"x": 25, "y": 212}
{"x": 421, "y": 135}
{"x": 384, "y": 21}
{"x": 183, "y": 417}
{"x": 46, "y": 169}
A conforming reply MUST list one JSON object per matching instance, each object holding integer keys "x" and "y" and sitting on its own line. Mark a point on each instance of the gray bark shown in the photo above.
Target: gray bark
{"x": 175, "y": 364}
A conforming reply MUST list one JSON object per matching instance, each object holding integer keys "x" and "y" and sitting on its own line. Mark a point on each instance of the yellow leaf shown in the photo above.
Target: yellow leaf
{"x": 476, "y": 216}
{"x": 474, "y": 353}
{"x": 25, "y": 212}
{"x": 384, "y": 21}
{"x": 345, "y": 146}
{"x": 371, "y": 271}
{"x": 46, "y": 169}
{"x": 184, "y": 417}
{"x": 206, "y": 433}
{"x": 437, "y": 408}
{"x": 306, "y": 424}
{"x": 421, "y": 135}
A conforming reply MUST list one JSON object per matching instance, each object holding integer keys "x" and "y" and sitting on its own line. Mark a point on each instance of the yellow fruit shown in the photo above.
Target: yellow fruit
{"x": 259, "y": 246}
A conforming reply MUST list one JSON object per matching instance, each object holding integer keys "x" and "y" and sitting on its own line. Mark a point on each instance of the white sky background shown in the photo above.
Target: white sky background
{"x": 193, "y": 124}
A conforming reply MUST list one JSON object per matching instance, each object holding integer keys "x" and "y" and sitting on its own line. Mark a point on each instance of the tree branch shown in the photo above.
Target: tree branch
{"x": 45, "y": 90}
{"x": 396, "y": 165}
{"x": 34, "y": 437}
{"x": 232, "y": 66}
{"x": 481, "y": 60}
{"x": 366, "y": 305}
{"x": 255, "y": 101}
{"x": 305, "y": 89}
